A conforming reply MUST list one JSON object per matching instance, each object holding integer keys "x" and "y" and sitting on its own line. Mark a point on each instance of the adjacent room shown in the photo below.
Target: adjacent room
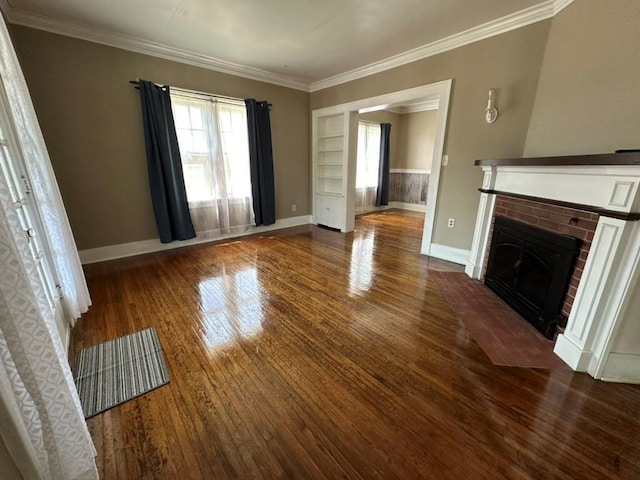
{"x": 319, "y": 240}
{"x": 411, "y": 141}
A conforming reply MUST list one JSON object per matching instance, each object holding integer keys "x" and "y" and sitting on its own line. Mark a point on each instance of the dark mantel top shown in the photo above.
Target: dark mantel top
{"x": 622, "y": 158}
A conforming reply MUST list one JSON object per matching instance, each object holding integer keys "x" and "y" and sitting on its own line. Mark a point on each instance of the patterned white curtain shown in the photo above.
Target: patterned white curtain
{"x": 62, "y": 246}
{"x": 41, "y": 420}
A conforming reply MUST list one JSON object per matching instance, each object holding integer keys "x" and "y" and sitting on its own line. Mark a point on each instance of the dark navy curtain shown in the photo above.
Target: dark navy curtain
{"x": 166, "y": 180}
{"x": 382, "y": 194}
{"x": 261, "y": 162}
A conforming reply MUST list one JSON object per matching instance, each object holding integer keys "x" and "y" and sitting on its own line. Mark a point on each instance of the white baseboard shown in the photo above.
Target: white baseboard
{"x": 622, "y": 367}
{"x": 473, "y": 271}
{"x": 414, "y": 207}
{"x": 419, "y": 171}
{"x": 571, "y": 353}
{"x": 123, "y": 250}
{"x": 450, "y": 254}
{"x": 372, "y": 210}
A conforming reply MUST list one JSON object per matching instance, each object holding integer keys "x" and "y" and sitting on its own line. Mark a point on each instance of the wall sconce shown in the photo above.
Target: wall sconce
{"x": 491, "y": 112}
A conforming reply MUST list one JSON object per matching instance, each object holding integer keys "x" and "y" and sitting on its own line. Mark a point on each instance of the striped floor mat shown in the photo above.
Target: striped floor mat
{"x": 116, "y": 371}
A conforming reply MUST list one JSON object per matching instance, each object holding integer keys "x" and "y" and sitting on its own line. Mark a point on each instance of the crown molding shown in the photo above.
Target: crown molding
{"x": 421, "y": 107}
{"x": 501, "y": 25}
{"x": 139, "y": 45}
{"x": 505, "y": 24}
{"x": 559, "y": 5}
{"x": 432, "y": 104}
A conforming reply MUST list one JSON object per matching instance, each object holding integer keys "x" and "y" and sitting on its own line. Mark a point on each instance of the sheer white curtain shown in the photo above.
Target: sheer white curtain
{"x": 43, "y": 424}
{"x": 367, "y": 166}
{"x": 214, "y": 146}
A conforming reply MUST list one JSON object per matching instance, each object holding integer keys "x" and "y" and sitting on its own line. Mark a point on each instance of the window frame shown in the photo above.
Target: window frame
{"x": 238, "y": 185}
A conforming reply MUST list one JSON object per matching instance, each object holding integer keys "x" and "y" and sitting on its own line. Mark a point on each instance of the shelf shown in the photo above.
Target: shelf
{"x": 329, "y": 170}
{"x": 330, "y": 194}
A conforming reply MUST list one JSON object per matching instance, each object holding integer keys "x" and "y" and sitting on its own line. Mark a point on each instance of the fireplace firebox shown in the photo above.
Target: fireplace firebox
{"x": 530, "y": 269}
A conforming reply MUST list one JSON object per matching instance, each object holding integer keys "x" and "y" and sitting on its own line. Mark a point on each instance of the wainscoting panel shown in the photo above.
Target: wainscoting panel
{"x": 408, "y": 187}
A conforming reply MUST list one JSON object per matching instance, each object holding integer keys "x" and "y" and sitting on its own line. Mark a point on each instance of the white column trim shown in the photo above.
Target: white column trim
{"x": 625, "y": 281}
{"x": 484, "y": 219}
{"x": 444, "y": 95}
{"x": 597, "y": 308}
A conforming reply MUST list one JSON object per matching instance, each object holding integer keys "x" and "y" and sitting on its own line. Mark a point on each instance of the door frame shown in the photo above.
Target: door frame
{"x": 440, "y": 92}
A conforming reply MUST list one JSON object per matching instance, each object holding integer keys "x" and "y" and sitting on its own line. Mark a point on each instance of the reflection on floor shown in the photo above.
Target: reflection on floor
{"x": 505, "y": 336}
{"x": 308, "y": 353}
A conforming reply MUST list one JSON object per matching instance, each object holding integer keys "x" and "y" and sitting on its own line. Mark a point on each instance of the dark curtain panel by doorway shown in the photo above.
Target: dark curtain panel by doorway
{"x": 166, "y": 180}
{"x": 382, "y": 195}
{"x": 261, "y": 161}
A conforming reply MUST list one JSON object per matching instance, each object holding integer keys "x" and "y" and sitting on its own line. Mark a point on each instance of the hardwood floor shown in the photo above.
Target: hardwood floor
{"x": 308, "y": 353}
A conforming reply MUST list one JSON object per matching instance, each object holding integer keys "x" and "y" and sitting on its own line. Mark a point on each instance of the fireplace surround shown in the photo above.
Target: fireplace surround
{"x": 602, "y": 336}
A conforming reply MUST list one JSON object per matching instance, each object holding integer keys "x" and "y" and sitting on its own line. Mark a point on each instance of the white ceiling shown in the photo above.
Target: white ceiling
{"x": 306, "y": 41}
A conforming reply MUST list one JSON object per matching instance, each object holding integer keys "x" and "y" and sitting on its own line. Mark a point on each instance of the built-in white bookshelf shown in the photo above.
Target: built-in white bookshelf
{"x": 332, "y": 171}
{"x": 329, "y": 173}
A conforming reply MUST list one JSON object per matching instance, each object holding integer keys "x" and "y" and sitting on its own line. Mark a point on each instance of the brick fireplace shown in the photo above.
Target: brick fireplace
{"x": 566, "y": 221}
{"x": 595, "y": 198}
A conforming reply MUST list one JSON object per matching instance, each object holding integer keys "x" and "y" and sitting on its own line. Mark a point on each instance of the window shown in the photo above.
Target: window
{"x": 214, "y": 146}
{"x": 368, "y": 155}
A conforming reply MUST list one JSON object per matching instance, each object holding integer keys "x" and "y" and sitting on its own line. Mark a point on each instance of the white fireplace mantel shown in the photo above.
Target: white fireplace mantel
{"x": 602, "y": 336}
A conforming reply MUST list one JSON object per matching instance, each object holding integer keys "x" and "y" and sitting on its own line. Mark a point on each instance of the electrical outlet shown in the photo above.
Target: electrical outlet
{"x": 445, "y": 160}
{"x": 451, "y": 223}
{"x": 293, "y": 208}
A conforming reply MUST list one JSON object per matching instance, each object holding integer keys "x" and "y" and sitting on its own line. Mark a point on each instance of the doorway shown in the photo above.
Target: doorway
{"x": 436, "y": 94}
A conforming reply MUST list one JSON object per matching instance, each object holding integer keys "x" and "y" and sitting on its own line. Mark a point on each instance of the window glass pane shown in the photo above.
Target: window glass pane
{"x": 373, "y": 155}
{"x": 200, "y": 141}
{"x": 361, "y": 163}
{"x": 235, "y": 145}
{"x": 181, "y": 116}
{"x": 225, "y": 118}
{"x": 196, "y": 182}
{"x": 368, "y": 155}
{"x": 196, "y": 118}
{"x": 184, "y": 140}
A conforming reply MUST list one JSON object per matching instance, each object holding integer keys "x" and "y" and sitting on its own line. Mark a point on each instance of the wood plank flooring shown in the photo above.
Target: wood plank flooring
{"x": 308, "y": 354}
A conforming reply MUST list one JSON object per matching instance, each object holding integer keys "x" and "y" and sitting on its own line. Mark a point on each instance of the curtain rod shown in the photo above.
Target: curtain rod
{"x": 195, "y": 92}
